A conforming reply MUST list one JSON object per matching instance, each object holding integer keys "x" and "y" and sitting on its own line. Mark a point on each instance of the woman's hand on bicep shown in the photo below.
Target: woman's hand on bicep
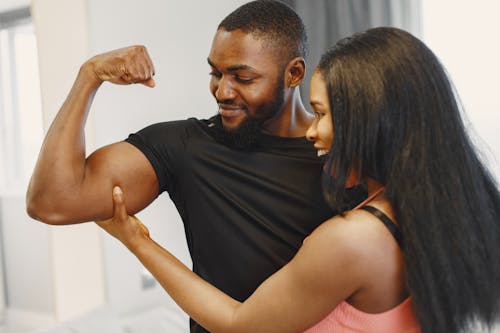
{"x": 127, "y": 229}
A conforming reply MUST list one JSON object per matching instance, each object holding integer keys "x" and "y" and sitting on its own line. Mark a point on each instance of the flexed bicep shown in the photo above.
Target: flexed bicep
{"x": 87, "y": 198}
{"x": 67, "y": 186}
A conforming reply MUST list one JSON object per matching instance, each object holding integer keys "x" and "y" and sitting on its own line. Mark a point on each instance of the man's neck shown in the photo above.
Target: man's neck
{"x": 293, "y": 121}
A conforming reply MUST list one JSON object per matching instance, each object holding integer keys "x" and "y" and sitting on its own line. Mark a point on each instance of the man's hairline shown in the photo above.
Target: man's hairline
{"x": 265, "y": 44}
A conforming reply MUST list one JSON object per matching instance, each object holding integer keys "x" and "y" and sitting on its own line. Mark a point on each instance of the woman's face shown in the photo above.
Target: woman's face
{"x": 321, "y": 130}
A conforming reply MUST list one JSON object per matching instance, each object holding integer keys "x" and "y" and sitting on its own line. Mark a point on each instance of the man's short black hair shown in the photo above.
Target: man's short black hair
{"x": 274, "y": 22}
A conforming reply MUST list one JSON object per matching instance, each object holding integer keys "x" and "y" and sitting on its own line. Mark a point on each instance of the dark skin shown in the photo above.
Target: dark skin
{"x": 64, "y": 177}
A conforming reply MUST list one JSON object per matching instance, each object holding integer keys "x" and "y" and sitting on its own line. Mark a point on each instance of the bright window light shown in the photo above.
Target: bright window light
{"x": 21, "y": 129}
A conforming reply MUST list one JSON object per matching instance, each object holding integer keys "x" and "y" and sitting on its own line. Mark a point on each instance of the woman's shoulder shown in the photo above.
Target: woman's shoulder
{"x": 359, "y": 237}
{"x": 357, "y": 229}
{"x": 360, "y": 246}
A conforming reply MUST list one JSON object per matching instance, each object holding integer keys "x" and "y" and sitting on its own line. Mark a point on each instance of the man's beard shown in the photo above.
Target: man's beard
{"x": 245, "y": 136}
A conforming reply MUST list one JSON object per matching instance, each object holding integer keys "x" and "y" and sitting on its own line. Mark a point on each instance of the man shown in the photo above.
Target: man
{"x": 245, "y": 182}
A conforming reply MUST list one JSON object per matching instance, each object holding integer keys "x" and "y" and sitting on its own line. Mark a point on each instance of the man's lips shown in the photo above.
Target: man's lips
{"x": 229, "y": 111}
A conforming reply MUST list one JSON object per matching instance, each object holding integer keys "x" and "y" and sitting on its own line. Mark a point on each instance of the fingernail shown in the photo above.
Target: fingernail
{"x": 117, "y": 190}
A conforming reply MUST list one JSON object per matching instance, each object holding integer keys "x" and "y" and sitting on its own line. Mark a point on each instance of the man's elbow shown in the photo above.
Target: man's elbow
{"x": 39, "y": 214}
{"x": 44, "y": 212}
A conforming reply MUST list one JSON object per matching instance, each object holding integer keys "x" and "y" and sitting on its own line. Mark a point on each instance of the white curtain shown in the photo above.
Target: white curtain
{"x": 327, "y": 21}
{"x": 2, "y": 280}
{"x": 8, "y": 20}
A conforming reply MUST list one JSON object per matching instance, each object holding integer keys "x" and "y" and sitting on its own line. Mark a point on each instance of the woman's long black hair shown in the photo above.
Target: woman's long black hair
{"x": 396, "y": 118}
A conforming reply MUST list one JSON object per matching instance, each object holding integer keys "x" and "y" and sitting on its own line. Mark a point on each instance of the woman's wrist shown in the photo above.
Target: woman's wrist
{"x": 137, "y": 243}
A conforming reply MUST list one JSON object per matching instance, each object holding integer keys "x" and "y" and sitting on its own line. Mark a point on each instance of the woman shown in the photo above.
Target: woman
{"x": 420, "y": 254}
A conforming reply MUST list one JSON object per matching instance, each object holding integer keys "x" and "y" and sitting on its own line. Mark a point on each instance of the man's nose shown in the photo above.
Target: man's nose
{"x": 224, "y": 91}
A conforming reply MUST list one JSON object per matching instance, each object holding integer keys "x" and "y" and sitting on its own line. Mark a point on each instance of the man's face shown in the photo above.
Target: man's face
{"x": 246, "y": 80}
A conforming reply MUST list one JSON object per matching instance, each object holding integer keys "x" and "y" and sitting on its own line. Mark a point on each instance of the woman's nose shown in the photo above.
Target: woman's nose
{"x": 311, "y": 132}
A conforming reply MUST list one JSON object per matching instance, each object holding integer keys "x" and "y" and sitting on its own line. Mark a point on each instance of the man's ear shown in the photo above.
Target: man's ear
{"x": 294, "y": 72}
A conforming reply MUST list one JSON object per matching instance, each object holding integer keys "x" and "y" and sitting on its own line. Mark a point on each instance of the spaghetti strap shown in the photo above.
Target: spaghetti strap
{"x": 393, "y": 228}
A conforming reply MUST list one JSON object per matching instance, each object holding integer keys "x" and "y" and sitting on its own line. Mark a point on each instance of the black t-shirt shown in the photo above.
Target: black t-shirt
{"x": 245, "y": 213}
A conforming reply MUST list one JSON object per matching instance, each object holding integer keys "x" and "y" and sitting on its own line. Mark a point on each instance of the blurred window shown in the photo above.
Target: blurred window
{"x": 21, "y": 128}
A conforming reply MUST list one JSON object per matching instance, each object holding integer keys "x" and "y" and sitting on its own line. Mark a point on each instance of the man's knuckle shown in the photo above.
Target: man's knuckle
{"x": 138, "y": 49}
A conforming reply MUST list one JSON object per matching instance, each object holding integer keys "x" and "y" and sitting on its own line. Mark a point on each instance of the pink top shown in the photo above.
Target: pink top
{"x": 347, "y": 319}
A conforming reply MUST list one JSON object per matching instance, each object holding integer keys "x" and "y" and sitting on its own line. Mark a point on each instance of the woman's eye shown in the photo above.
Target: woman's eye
{"x": 318, "y": 115}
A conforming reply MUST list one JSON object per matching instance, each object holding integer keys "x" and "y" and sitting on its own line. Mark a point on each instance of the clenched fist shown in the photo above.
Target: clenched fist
{"x": 122, "y": 66}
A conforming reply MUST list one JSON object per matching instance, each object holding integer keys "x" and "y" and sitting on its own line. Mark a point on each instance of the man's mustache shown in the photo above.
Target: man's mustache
{"x": 231, "y": 105}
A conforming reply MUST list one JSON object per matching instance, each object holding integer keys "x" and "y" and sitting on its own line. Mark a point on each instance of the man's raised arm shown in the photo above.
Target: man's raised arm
{"x": 66, "y": 187}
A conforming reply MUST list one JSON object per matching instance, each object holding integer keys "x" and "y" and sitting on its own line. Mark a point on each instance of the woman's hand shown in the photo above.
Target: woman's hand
{"x": 127, "y": 229}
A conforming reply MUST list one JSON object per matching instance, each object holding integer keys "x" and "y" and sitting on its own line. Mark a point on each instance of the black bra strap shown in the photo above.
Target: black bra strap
{"x": 393, "y": 228}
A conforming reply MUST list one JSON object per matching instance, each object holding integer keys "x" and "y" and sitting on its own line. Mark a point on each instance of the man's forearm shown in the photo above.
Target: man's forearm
{"x": 61, "y": 163}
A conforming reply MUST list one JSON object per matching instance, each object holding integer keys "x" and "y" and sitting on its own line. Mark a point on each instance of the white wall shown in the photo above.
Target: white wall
{"x": 2, "y": 280}
{"x": 464, "y": 35}
{"x": 27, "y": 260}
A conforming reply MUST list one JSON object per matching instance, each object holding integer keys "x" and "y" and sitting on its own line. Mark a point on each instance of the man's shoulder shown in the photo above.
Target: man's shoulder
{"x": 174, "y": 133}
{"x": 177, "y": 126}
{"x": 188, "y": 122}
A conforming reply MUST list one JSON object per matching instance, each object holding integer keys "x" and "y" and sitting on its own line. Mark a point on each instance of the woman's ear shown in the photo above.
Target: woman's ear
{"x": 294, "y": 72}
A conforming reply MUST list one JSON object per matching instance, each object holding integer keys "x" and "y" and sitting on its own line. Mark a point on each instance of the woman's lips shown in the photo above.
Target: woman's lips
{"x": 322, "y": 152}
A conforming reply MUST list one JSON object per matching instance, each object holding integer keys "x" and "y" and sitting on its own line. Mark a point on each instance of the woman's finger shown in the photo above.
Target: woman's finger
{"x": 119, "y": 209}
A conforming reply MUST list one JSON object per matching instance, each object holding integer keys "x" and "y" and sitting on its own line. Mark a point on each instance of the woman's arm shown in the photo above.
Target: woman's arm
{"x": 322, "y": 274}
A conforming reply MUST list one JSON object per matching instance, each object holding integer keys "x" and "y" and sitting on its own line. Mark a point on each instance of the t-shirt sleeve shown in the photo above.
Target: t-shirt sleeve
{"x": 163, "y": 144}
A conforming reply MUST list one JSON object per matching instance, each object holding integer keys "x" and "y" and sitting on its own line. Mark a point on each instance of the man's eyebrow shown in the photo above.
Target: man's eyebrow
{"x": 240, "y": 68}
{"x": 233, "y": 68}
{"x": 210, "y": 63}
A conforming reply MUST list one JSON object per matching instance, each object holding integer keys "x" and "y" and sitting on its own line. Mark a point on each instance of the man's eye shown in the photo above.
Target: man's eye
{"x": 215, "y": 74}
{"x": 242, "y": 79}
